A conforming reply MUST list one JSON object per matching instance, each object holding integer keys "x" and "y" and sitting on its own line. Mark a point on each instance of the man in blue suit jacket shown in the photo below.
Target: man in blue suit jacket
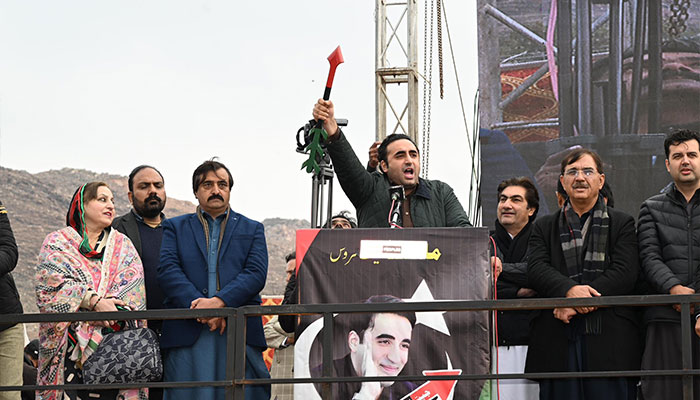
{"x": 213, "y": 258}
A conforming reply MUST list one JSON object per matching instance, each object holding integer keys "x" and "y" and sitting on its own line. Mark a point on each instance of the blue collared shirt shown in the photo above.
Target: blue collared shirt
{"x": 213, "y": 250}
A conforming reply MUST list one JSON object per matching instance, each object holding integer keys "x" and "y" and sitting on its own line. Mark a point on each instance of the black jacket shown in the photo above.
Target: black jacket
{"x": 126, "y": 224}
{"x": 618, "y": 346}
{"x": 434, "y": 203}
{"x": 291, "y": 294}
{"x": 9, "y": 296}
{"x": 669, "y": 246}
{"x": 513, "y": 326}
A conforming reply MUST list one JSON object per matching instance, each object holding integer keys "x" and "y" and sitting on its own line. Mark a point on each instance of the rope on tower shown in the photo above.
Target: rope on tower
{"x": 427, "y": 87}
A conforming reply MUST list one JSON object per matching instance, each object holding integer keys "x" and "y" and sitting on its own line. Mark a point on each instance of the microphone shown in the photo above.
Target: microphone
{"x": 397, "y": 194}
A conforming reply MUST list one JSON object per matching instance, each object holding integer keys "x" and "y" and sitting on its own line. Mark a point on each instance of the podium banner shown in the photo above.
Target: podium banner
{"x": 394, "y": 265}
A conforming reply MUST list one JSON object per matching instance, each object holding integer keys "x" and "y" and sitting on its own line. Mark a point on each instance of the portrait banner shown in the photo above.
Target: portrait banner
{"x": 391, "y": 266}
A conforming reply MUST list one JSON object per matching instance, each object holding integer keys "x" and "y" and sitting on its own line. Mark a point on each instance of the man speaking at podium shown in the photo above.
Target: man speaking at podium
{"x": 396, "y": 198}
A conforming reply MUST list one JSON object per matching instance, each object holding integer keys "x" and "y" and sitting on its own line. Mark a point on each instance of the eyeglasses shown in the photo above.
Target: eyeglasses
{"x": 573, "y": 172}
{"x": 223, "y": 185}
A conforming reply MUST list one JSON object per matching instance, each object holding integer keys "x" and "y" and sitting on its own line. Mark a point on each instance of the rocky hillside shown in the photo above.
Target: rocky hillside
{"x": 37, "y": 204}
{"x": 280, "y": 235}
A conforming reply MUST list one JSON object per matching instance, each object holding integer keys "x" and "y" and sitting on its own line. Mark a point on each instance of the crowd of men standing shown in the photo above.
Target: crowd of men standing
{"x": 217, "y": 258}
{"x": 586, "y": 249}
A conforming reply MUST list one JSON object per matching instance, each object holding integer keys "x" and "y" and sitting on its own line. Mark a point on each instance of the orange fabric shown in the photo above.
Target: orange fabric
{"x": 269, "y": 301}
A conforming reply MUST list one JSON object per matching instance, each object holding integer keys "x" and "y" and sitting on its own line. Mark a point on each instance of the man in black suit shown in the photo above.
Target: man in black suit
{"x": 585, "y": 249}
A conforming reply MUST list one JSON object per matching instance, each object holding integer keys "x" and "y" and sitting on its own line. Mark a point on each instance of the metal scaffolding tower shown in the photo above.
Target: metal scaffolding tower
{"x": 396, "y": 35}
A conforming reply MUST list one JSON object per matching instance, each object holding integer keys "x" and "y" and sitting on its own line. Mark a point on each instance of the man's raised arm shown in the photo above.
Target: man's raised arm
{"x": 356, "y": 181}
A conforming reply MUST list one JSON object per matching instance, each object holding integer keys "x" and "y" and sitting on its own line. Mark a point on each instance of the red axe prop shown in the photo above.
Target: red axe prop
{"x": 318, "y": 134}
{"x": 335, "y": 59}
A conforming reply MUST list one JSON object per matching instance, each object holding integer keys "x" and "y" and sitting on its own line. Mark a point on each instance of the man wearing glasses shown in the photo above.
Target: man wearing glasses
{"x": 213, "y": 258}
{"x": 585, "y": 249}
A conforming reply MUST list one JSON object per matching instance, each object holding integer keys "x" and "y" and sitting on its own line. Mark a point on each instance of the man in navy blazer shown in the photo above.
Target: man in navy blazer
{"x": 213, "y": 258}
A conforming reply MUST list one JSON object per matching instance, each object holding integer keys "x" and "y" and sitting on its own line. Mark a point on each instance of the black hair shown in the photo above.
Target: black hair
{"x": 32, "y": 349}
{"x": 345, "y": 214}
{"x": 576, "y": 155}
{"x": 677, "y": 137}
{"x": 606, "y": 192}
{"x": 208, "y": 166}
{"x": 137, "y": 170}
{"x": 561, "y": 190}
{"x": 532, "y": 197}
{"x": 360, "y": 322}
{"x": 291, "y": 256}
{"x": 381, "y": 151}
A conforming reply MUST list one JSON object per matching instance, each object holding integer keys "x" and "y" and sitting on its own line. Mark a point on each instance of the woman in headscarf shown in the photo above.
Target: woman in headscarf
{"x": 86, "y": 266}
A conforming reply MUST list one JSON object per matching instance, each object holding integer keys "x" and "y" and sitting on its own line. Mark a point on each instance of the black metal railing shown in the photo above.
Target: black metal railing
{"x": 228, "y": 313}
{"x": 236, "y": 381}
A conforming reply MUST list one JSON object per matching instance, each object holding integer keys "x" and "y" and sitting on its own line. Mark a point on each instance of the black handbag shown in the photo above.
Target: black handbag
{"x": 130, "y": 355}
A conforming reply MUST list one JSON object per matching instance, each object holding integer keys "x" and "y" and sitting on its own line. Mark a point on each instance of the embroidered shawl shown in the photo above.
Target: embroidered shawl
{"x": 63, "y": 276}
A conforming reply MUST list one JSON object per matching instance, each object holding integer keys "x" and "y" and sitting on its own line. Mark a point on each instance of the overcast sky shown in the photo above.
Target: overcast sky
{"x": 108, "y": 85}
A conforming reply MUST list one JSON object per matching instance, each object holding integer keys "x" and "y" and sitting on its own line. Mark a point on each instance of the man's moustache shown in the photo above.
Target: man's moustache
{"x": 154, "y": 197}
{"x": 215, "y": 196}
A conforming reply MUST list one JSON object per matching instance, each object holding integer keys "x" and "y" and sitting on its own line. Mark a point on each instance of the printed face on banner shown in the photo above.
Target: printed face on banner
{"x": 384, "y": 346}
{"x": 392, "y": 267}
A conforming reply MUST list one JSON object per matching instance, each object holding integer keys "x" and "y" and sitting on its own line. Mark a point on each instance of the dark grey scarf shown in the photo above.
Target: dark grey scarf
{"x": 584, "y": 268}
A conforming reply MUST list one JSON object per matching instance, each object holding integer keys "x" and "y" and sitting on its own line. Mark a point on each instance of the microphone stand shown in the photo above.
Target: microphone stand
{"x": 397, "y": 196}
{"x": 396, "y": 214}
